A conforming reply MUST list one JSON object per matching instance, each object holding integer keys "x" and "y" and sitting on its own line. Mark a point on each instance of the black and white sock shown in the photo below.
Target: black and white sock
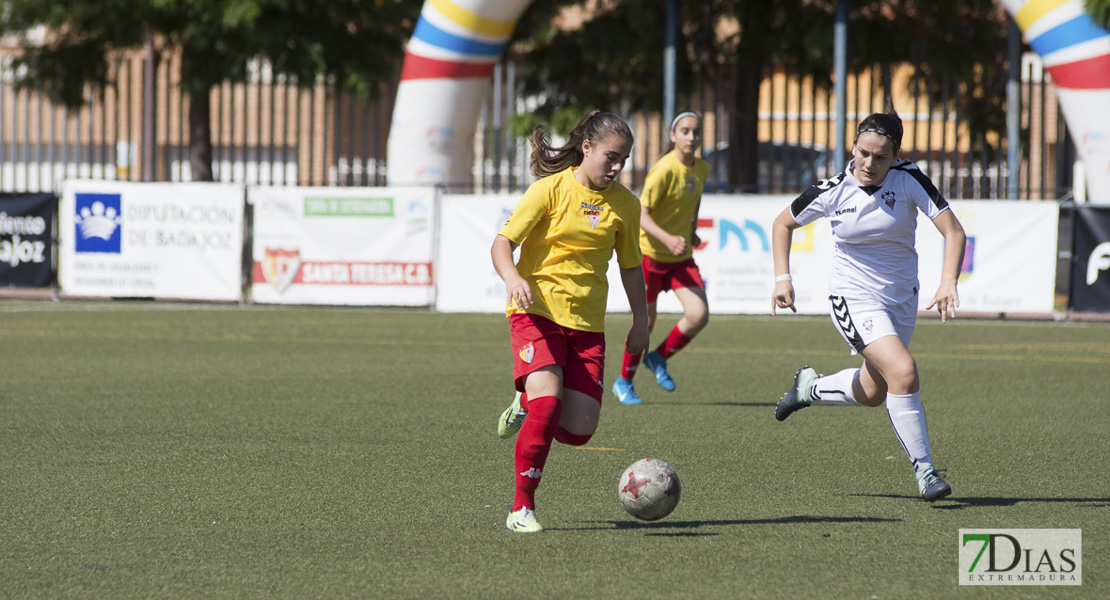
{"x": 835, "y": 388}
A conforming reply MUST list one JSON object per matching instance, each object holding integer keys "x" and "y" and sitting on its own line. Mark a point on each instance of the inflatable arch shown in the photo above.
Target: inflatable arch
{"x": 446, "y": 78}
{"x": 1076, "y": 53}
{"x": 444, "y": 83}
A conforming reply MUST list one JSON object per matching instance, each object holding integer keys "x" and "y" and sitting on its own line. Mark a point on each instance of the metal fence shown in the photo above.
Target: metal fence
{"x": 273, "y": 131}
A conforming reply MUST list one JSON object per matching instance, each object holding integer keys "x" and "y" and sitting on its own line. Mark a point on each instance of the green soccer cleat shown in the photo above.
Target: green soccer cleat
{"x": 658, "y": 365}
{"x": 523, "y": 521}
{"x": 931, "y": 484}
{"x": 798, "y": 397}
{"x": 512, "y": 419}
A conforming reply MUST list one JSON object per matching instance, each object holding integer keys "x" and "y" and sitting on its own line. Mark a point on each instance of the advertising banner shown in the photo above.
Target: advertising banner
{"x": 467, "y": 281}
{"x": 26, "y": 245}
{"x": 160, "y": 240}
{"x": 1009, "y": 261}
{"x": 735, "y": 257}
{"x": 1009, "y": 264}
{"x": 343, "y": 246}
{"x": 1090, "y": 276}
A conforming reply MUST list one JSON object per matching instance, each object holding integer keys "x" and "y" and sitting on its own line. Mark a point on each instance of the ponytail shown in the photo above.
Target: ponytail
{"x": 595, "y": 126}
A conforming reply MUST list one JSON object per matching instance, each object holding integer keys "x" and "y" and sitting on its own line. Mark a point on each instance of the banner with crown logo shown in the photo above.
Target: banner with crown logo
{"x": 151, "y": 240}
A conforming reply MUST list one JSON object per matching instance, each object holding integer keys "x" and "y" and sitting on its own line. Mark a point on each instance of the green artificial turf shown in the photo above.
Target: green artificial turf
{"x": 210, "y": 451}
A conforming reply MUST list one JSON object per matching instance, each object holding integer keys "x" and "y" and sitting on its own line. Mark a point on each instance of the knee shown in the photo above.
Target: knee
{"x": 702, "y": 319}
{"x": 907, "y": 378}
{"x": 903, "y": 379}
{"x": 697, "y": 318}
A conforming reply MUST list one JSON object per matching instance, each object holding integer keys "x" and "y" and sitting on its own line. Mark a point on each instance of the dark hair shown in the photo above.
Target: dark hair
{"x": 595, "y": 126}
{"x": 888, "y": 125}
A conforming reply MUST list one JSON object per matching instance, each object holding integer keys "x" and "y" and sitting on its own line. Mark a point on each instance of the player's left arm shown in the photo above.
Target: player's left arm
{"x": 636, "y": 290}
{"x": 695, "y": 240}
{"x": 947, "y": 299}
{"x": 630, "y": 260}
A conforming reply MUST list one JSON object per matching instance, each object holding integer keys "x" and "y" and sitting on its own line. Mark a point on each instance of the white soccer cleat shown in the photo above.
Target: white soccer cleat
{"x": 523, "y": 521}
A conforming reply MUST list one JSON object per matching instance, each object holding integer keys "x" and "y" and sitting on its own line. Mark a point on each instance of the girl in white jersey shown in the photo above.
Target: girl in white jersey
{"x": 873, "y": 289}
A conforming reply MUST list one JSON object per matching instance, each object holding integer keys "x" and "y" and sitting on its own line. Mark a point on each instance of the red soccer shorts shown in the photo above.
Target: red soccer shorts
{"x": 540, "y": 342}
{"x": 661, "y": 276}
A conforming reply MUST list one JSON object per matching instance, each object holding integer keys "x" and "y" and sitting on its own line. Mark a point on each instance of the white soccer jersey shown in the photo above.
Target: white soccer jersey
{"x": 873, "y": 229}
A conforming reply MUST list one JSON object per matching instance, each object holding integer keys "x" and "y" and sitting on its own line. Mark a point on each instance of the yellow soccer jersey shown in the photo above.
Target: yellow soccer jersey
{"x": 567, "y": 233}
{"x": 672, "y": 192}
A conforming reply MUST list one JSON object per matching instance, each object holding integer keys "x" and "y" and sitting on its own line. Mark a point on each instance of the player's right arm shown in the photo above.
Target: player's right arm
{"x": 782, "y": 234}
{"x": 517, "y": 289}
{"x": 529, "y": 211}
{"x": 675, "y": 243}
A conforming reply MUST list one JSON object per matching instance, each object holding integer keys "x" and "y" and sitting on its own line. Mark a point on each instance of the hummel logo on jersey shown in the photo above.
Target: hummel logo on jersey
{"x": 888, "y": 198}
{"x": 534, "y": 473}
{"x": 845, "y": 211}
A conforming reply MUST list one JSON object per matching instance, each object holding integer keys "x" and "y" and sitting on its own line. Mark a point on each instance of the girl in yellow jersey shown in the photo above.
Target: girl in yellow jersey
{"x": 669, "y": 220}
{"x": 567, "y": 225}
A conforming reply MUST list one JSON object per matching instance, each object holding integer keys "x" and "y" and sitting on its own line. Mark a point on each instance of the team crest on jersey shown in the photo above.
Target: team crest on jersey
{"x": 888, "y": 198}
{"x": 593, "y": 213}
{"x": 527, "y": 353}
{"x": 691, "y": 184}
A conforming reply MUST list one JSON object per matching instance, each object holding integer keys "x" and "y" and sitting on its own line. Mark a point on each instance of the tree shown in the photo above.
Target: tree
{"x": 1099, "y": 11}
{"x": 358, "y": 43}
{"x": 614, "y": 58}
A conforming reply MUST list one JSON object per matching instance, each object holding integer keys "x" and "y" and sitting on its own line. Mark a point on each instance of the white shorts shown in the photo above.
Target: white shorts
{"x": 861, "y": 321}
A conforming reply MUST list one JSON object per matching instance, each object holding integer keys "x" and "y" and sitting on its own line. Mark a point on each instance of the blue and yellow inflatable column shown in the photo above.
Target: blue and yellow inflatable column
{"x": 444, "y": 83}
{"x": 1076, "y": 53}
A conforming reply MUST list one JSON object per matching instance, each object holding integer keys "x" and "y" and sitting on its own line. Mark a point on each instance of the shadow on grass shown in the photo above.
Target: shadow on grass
{"x": 956, "y": 503}
{"x": 759, "y": 404}
{"x": 681, "y": 403}
{"x": 664, "y": 524}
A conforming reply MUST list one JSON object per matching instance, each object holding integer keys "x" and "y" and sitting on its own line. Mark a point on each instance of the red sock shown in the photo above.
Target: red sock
{"x": 533, "y": 442}
{"x": 629, "y": 364}
{"x": 676, "y": 340}
{"x": 571, "y": 439}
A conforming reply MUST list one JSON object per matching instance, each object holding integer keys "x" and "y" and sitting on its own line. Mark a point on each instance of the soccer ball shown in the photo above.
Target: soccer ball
{"x": 649, "y": 489}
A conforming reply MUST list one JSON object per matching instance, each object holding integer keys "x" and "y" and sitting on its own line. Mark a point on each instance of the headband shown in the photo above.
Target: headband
{"x": 878, "y": 130}
{"x": 684, "y": 114}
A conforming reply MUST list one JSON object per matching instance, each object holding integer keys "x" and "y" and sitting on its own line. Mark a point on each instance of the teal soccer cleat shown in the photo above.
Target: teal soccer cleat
{"x": 931, "y": 484}
{"x": 658, "y": 365}
{"x": 625, "y": 391}
{"x": 798, "y": 397}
